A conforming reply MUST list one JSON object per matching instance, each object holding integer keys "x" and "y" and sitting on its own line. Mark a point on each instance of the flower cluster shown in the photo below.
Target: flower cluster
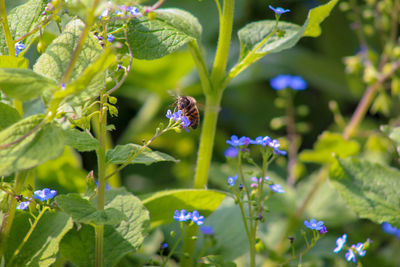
{"x": 284, "y": 81}
{"x": 353, "y": 251}
{"x": 389, "y": 229}
{"x": 235, "y": 141}
{"x": 184, "y": 216}
{"x": 314, "y": 225}
{"x": 178, "y": 118}
{"x": 121, "y": 11}
{"x": 41, "y": 195}
{"x": 18, "y": 48}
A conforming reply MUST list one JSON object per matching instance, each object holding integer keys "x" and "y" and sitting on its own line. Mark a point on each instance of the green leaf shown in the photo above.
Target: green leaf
{"x": 252, "y": 36}
{"x": 316, "y": 16}
{"x": 13, "y": 62}
{"x": 392, "y": 133}
{"x": 81, "y": 210}
{"x": 121, "y": 153}
{"x": 24, "y": 84}
{"x": 23, "y": 19}
{"x": 80, "y": 140}
{"x": 44, "y": 144}
{"x": 327, "y": 146}
{"x": 162, "y": 205}
{"x": 168, "y": 31}
{"x": 370, "y": 189}
{"x": 55, "y": 60}
{"x": 8, "y": 116}
{"x": 41, "y": 249}
{"x": 78, "y": 246}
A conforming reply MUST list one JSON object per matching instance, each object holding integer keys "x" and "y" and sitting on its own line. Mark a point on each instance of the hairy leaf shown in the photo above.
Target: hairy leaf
{"x": 79, "y": 246}
{"x": 55, "y": 60}
{"x": 8, "y": 116}
{"x": 13, "y": 62}
{"x": 171, "y": 29}
{"x": 81, "y": 210}
{"x": 81, "y": 141}
{"x": 21, "y": 20}
{"x": 41, "y": 249}
{"x": 43, "y": 144}
{"x": 24, "y": 84}
{"x": 393, "y": 133}
{"x": 328, "y": 146}
{"x": 121, "y": 153}
{"x": 370, "y": 189}
{"x": 162, "y": 205}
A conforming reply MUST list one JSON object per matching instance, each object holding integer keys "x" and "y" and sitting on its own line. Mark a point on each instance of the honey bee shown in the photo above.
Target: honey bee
{"x": 189, "y": 109}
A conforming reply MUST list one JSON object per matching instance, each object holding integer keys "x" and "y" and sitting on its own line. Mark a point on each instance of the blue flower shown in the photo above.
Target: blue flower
{"x": 340, "y": 242}
{"x": 389, "y": 229}
{"x": 207, "y": 230}
{"x": 280, "y": 82}
{"x": 298, "y": 83}
{"x": 288, "y": 81}
{"x": 104, "y": 13}
{"x": 314, "y": 225}
{"x": 177, "y": 116}
{"x": 196, "y": 218}
{"x": 107, "y": 185}
{"x": 235, "y": 141}
{"x": 277, "y": 188}
{"x": 182, "y": 216}
{"x": 164, "y": 245}
{"x": 279, "y": 10}
{"x": 44, "y": 194}
{"x": 360, "y": 249}
{"x": 231, "y": 152}
{"x": 274, "y": 144}
{"x": 23, "y": 205}
{"x": 350, "y": 256}
{"x": 18, "y": 48}
{"x": 232, "y": 180}
{"x": 133, "y": 11}
{"x": 110, "y": 38}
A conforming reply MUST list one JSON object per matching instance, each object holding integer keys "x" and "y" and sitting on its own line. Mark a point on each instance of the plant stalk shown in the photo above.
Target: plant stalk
{"x": 6, "y": 28}
{"x": 101, "y": 163}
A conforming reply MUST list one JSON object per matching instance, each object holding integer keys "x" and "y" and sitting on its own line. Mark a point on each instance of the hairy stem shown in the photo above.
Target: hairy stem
{"x": 201, "y": 66}
{"x": 101, "y": 164}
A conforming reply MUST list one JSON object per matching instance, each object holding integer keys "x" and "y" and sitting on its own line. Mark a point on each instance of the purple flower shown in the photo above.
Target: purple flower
{"x": 133, "y": 11}
{"x": 323, "y": 230}
{"x": 283, "y": 81}
{"x": 350, "y": 256}
{"x": 235, "y": 141}
{"x": 177, "y": 116}
{"x": 279, "y": 10}
{"x": 232, "y": 180}
{"x": 274, "y": 144}
{"x": 23, "y": 205}
{"x": 110, "y": 38}
{"x": 340, "y": 242}
{"x": 314, "y": 225}
{"x": 196, "y": 218}
{"x": 44, "y": 194}
{"x": 231, "y": 152}
{"x": 277, "y": 188}
{"x": 104, "y": 13}
{"x": 18, "y": 48}
{"x": 182, "y": 216}
{"x": 258, "y": 181}
{"x": 207, "y": 230}
{"x": 360, "y": 249}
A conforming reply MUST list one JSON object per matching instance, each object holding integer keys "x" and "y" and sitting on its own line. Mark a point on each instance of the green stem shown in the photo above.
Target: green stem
{"x": 207, "y": 139}
{"x": 28, "y": 235}
{"x": 189, "y": 246}
{"x": 9, "y": 218}
{"x": 101, "y": 163}
{"x": 6, "y": 28}
{"x": 291, "y": 136}
{"x": 173, "y": 248}
{"x": 224, "y": 39}
{"x": 201, "y": 66}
